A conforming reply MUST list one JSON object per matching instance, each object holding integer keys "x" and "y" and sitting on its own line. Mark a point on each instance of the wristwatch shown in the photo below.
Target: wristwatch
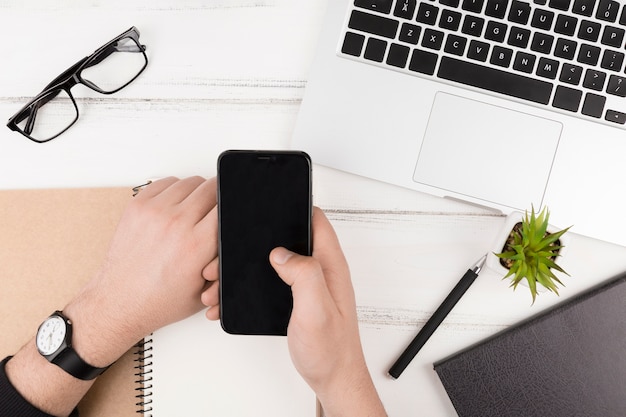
{"x": 54, "y": 342}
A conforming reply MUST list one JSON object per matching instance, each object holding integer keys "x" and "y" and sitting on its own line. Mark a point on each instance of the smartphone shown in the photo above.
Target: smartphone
{"x": 264, "y": 201}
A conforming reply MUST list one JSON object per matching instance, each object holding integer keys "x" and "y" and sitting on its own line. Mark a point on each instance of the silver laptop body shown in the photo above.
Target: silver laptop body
{"x": 500, "y": 129}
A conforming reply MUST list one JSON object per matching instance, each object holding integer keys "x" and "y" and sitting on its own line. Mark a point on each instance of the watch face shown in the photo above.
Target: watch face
{"x": 51, "y": 335}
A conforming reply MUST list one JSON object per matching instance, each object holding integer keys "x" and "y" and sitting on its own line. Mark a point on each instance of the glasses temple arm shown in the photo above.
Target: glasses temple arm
{"x": 115, "y": 47}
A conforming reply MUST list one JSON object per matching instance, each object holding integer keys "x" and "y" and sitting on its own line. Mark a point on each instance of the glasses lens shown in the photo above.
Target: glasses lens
{"x": 115, "y": 66}
{"x": 47, "y": 117}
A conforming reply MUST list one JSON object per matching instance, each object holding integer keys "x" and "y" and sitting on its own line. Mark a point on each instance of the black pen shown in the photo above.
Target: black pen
{"x": 438, "y": 316}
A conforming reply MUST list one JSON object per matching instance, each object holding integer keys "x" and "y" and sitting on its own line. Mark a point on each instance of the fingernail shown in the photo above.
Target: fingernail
{"x": 281, "y": 255}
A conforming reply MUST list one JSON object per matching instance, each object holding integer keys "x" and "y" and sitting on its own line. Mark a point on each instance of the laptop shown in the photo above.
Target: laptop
{"x": 506, "y": 104}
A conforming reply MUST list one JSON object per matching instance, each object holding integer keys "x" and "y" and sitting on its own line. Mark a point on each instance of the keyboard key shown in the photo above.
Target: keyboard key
{"x": 496, "y": 8}
{"x": 383, "y": 6}
{"x": 583, "y": 7}
{"x": 353, "y": 44}
{"x": 524, "y": 62}
{"x": 588, "y": 54}
{"x": 450, "y": 20}
{"x": 473, "y": 25}
{"x": 519, "y": 37}
{"x": 559, "y": 4}
{"x": 615, "y": 116}
{"x": 542, "y": 19}
{"x": 405, "y": 9}
{"x": 455, "y": 45}
{"x": 474, "y": 6}
{"x": 594, "y": 80}
{"x": 607, "y": 10}
{"x": 571, "y": 74}
{"x": 593, "y": 105}
{"x": 501, "y": 56}
{"x": 567, "y": 98}
{"x": 617, "y": 86}
{"x": 565, "y": 48}
{"x": 478, "y": 51}
{"x": 622, "y": 18}
{"x": 409, "y": 33}
{"x": 398, "y": 55}
{"x": 423, "y": 62}
{"x": 375, "y": 50}
{"x": 589, "y": 31}
{"x": 427, "y": 14}
{"x": 613, "y": 36}
{"x": 542, "y": 43}
{"x": 547, "y": 68}
{"x": 520, "y": 12}
{"x": 495, "y": 31}
{"x": 492, "y": 79}
{"x": 565, "y": 25}
{"x": 612, "y": 60}
{"x": 433, "y": 39}
{"x": 370, "y": 23}
{"x": 451, "y": 3}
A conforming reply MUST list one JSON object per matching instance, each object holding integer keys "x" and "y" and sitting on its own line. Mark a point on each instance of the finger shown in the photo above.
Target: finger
{"x": 210, "y": 296}
{"x": 155, "y": 188}
{"x": 213, "y": 313}
{"x": 201, "y": 200}
{"x": 211, "y": 272}
{"x": 305, "y": 277}
{"x": 177, "y": 191}
{"x": 205, "y": 233}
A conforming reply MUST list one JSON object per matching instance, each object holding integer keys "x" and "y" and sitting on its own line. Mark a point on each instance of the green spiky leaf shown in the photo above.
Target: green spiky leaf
{"x": 531, "y": 252}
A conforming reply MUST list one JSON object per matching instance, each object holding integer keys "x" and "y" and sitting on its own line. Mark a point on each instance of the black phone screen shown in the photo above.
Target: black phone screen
{"x": 264, "y": 201}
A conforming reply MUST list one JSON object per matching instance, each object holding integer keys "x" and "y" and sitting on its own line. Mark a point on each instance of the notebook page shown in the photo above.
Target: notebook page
{"x": 199, "y": 370}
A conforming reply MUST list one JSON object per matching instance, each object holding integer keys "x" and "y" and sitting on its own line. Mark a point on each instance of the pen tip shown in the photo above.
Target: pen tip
{"x": 478, "y": 266}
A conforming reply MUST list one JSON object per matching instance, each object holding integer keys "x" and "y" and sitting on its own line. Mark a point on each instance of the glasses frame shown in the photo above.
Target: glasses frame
{"x": 68, "y": 79}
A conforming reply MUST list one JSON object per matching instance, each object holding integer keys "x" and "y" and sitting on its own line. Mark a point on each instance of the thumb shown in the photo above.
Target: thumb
{"x": 302, "y": 273}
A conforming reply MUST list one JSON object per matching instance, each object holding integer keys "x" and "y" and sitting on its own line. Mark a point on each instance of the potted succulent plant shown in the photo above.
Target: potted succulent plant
{"x": 529, "y": 248}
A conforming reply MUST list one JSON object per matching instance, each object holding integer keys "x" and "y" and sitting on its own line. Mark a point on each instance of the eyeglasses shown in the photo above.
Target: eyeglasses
{"x": 109, "y": 69}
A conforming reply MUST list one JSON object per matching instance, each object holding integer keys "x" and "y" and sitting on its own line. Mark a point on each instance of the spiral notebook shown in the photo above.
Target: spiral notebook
{"x": 568, "y": 361}
{"x": 199, "y": 370}
{"x": 53, "y": 241}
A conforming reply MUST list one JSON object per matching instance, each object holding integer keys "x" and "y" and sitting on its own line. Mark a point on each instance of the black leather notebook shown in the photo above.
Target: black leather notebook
{"x": 568, "y": 361}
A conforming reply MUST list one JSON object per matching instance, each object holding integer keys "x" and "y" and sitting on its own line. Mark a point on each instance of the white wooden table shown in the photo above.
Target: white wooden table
{"x": 228, "y": 74}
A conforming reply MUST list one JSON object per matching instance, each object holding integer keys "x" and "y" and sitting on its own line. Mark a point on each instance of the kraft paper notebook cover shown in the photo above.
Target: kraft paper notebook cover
{"x": 51, "y": 243}
{"x": 569, "y": 361}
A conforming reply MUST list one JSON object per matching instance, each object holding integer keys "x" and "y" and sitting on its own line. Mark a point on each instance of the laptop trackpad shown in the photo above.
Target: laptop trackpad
{"x": 487, "y": 152}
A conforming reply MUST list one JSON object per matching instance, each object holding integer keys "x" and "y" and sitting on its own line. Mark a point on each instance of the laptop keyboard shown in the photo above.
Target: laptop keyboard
{"x": 566, "y": 55}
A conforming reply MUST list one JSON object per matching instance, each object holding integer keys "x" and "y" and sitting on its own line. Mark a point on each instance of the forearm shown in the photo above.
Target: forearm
{"x": 355, "y": 395}
{"x": 44, "y": 385}
{"x": 48, "y": 387}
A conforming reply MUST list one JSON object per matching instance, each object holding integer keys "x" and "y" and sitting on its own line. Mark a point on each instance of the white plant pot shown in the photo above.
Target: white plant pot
{"x": 493, "y": 262}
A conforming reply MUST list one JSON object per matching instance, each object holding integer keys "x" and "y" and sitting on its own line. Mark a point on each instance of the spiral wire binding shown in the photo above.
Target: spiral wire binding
{"x": 143, "y": 376}
{"x": 140, "y": 187}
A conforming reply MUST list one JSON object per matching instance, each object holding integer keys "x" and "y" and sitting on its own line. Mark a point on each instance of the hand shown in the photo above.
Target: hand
{"x": 154, "y": 273}
{"x": 155, "y": 269}
{"x": 323, "y": 333}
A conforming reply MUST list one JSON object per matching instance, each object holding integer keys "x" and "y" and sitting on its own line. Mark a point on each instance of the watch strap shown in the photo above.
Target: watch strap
{"x": 74, "y": 365}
